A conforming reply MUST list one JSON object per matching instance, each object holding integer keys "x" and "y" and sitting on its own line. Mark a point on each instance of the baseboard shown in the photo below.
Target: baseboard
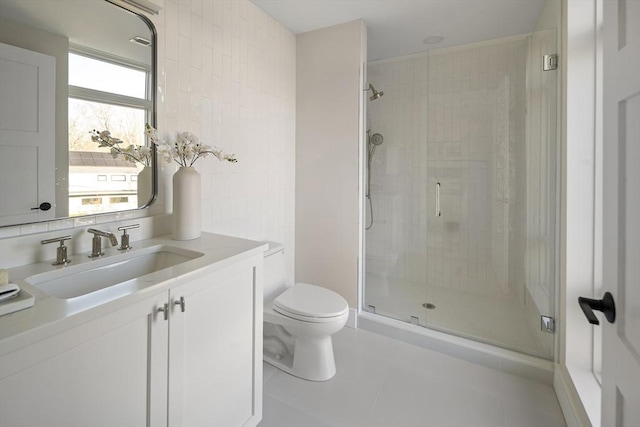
{"x": 574, "y": 412}
{"x": 352, "y": 321}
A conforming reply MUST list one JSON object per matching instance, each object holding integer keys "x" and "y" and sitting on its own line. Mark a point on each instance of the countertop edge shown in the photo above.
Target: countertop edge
{"x": 50, "y": 316}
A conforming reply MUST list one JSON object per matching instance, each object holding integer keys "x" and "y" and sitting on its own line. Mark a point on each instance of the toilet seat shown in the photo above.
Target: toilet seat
{"x": 310, "y": 303}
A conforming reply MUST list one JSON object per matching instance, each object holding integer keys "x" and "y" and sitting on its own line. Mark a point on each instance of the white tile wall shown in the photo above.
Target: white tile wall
{"x": 226, "y": 71}
{"x": 228, "y": 74}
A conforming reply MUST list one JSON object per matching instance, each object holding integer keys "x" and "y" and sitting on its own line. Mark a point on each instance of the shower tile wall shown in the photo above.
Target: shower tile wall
{"x": 398, "y": 179}
{"x": 458, "y": 117}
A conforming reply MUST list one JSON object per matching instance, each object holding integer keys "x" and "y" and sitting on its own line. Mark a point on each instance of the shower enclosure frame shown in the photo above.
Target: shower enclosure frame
{"x": 473, "y": 349}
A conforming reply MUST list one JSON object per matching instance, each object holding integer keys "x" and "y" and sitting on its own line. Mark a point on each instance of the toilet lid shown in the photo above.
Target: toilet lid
{"x": 313, "y": 301}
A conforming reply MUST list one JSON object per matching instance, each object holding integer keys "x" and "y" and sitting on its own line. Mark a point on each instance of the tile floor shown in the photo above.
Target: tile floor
{"x": 382, "y": 382}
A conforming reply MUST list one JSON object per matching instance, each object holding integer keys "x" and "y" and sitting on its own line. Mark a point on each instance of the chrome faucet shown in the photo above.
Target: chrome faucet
{"x": 96, "y": 245}
{"x": 61, "y": 253}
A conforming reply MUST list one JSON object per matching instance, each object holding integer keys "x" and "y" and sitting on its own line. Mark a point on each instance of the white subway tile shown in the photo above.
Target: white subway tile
{"x": 6, "y": 232}
{"x": 84, "y": 221}
{"x": 39, "y": 227}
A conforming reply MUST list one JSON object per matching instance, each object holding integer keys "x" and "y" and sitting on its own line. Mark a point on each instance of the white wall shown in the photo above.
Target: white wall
{"x": 329, "y": 90}
{"x": 226, "y": 72}
{"x": 579, "y": 215}
{"x": 580, "y": 169}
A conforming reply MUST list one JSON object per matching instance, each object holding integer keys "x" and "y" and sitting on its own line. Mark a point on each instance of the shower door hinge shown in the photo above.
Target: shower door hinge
{"x": 550, "y": 62}
{"x": 547, "y": 324}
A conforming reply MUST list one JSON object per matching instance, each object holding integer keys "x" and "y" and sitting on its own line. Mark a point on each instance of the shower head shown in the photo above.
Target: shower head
{"x": 376, "y": 139}
{"x": 374, "y": 93}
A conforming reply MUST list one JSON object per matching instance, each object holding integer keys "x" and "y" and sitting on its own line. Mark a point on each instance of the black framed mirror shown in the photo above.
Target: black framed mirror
{"x": 70, "y": 71}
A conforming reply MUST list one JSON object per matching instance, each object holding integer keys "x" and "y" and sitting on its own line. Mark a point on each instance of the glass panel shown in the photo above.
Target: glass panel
{"x": 107, "y": 77}
{"x": 463, "y": 191}
{"x": 395, "y": 240}
{"x": 540, "y": 186}
{"x": 478, "y": 97}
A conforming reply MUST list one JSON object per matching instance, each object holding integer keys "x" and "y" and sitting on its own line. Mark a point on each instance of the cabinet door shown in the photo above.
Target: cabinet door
{"x": 212, "y": 359}
{"x": 110, "y": 371}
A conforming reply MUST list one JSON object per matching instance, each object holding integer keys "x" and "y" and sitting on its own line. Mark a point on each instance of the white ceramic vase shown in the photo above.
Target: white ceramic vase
{"x": 145, "y": 186}
{"x": 187, "y": 223}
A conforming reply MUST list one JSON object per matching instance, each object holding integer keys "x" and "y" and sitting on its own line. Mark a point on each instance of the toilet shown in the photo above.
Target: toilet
{"x": 299, "y": 321}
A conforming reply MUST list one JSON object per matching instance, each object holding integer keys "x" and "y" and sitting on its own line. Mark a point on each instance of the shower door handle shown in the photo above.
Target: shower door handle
{"x": 438, "y": 213}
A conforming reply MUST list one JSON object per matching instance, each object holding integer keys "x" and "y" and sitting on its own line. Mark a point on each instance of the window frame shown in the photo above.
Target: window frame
{"x": 98, "y": 96}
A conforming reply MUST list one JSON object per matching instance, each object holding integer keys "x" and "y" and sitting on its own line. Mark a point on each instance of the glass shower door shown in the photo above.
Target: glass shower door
{"x": 492, "y": 142}
{"x": 461, "y": 210}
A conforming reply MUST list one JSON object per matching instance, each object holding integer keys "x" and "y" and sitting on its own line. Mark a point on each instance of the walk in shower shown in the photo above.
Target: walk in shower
{"x": 460, "y": 206}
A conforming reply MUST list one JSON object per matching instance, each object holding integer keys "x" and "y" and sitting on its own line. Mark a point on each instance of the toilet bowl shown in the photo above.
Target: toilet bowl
{"x": 299, "y": 321}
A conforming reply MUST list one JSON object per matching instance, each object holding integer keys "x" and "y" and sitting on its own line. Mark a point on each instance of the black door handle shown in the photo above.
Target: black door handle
{"x": 43, "y": 207}
{"x": 605, "y": 305}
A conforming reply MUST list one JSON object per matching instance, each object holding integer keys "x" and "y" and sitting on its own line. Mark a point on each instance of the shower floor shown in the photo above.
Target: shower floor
{"x": 504, "y": 322}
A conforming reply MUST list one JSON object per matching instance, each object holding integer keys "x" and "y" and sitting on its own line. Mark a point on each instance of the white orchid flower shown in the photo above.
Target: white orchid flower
{"x": 186, "y": 149}
{"x": 132, "y": 153}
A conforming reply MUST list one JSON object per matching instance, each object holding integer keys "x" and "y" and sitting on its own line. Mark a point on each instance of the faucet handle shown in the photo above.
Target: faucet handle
{"x": 124, "y": 240}
{"x": 61, "y": 252}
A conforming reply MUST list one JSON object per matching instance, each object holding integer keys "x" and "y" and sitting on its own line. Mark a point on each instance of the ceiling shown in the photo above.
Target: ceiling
{"x": 398, "y": 27}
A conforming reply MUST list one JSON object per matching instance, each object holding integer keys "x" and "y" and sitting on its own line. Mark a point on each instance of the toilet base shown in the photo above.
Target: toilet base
{"x": 312, "y": 359}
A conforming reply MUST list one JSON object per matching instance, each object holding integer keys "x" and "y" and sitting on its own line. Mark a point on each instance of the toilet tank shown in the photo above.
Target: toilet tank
{"x": 275, "y": 278}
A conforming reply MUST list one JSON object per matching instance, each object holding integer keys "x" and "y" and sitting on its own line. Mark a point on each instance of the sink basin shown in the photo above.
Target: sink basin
{"x": 92, "y": 276}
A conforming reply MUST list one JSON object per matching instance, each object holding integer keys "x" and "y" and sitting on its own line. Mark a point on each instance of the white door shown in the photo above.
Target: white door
{"x": 27, "y": 136}
{"x": 621, "y": 339}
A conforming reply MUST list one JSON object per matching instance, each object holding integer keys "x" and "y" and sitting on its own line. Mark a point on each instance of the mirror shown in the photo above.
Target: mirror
{"x": 68, "y": 68}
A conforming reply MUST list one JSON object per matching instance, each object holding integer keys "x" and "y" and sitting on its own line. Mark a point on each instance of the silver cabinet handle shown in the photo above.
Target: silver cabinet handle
{"x": 165, "y": 310}
{"x": 438, "y": 213}
{"x": 181, "y": 303}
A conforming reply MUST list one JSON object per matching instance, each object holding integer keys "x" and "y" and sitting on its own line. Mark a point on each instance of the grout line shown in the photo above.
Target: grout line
{"x": 382, "y": 384}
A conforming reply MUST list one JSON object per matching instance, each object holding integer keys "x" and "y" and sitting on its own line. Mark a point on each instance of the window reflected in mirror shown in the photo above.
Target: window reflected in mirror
{"x": 106, "y": 94}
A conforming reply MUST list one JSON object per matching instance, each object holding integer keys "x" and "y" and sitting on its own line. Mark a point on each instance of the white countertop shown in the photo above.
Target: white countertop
{"x": 50, "y": 315}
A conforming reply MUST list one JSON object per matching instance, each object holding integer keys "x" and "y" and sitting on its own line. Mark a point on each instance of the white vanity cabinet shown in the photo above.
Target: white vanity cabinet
{"x": 135, "y": 366}
{"x": 103, "y": 372}
{"x": 214, "y": 371}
